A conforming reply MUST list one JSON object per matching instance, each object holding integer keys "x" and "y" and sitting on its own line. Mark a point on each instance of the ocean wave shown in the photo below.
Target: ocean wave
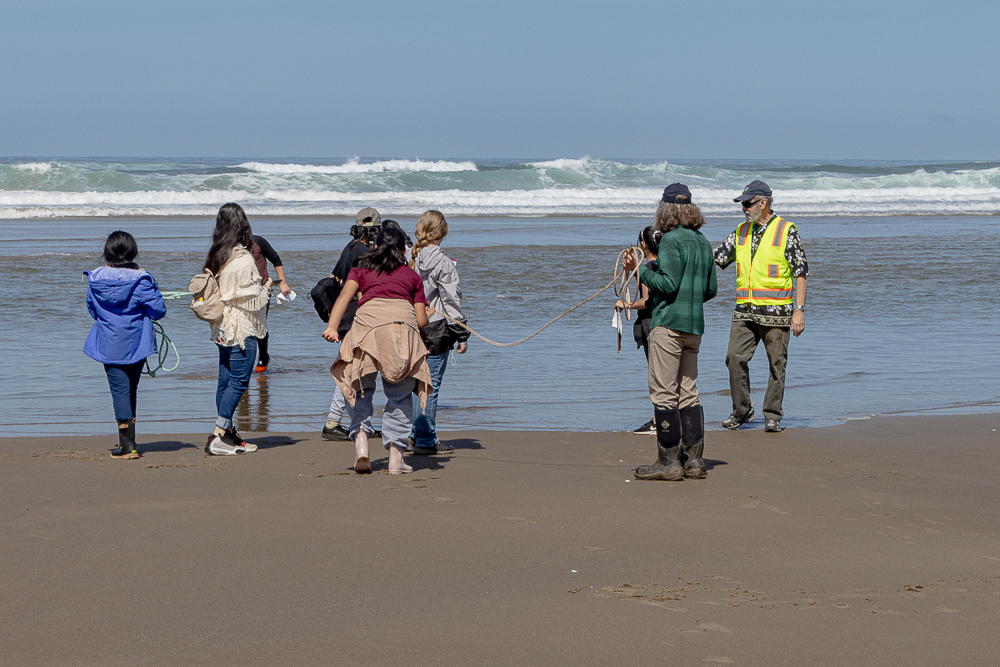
{"x": 556, "y": 201}
{"x": 355, "y": 166}
{"x": 37, "y": 167}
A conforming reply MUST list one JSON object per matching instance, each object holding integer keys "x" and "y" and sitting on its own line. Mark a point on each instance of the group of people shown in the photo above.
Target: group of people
{"x": 400, "y": 317}
{"x": 677, "y": 278}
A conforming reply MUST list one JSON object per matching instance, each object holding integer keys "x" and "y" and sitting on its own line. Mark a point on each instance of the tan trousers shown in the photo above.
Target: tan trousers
{"x": 673, "y": 368}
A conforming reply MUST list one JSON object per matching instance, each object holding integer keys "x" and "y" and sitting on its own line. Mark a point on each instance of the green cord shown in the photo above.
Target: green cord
{"x": 165, "y": 346}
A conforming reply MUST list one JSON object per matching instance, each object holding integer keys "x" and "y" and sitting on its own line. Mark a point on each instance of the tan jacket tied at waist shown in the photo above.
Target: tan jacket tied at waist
{"x": 385, "y": 338}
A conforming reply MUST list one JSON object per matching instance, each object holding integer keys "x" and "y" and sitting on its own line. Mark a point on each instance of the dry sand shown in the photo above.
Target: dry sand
{"x": 871, "y": 543}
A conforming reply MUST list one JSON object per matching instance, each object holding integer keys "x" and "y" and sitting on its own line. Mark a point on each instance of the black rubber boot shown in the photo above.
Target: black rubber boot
{"x": 127, "y": 448}
{"x": 693, "y": 439}
{"x": 668, "y": 446}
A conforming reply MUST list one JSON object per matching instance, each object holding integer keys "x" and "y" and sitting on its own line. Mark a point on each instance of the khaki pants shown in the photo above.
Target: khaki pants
{"x": 743, "y": 340}
{"x": 673, "y": 368}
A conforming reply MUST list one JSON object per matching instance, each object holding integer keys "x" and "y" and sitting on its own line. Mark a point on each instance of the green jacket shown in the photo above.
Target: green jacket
{"x": 683, "y": 280}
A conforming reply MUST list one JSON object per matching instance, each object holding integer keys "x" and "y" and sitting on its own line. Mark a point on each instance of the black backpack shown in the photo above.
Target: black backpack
{"x": 324, "y": 295}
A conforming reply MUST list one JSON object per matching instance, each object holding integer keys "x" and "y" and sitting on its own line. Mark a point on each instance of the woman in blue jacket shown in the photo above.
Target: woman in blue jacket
{"x": 124, "y": 300}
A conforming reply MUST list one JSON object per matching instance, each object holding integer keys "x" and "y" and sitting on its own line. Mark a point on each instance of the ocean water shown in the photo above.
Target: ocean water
{"x": 564, "y": 187}
{"x": 902, "y": 296}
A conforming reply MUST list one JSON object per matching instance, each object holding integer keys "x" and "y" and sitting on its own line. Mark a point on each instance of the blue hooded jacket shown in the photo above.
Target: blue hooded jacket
{"x": 124, "y": 302}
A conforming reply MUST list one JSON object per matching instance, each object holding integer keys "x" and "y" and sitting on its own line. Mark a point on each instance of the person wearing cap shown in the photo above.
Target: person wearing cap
{"x": 770, "y": 262}
{"x": 367, "y": 224}
{"x": 683, "y": 280}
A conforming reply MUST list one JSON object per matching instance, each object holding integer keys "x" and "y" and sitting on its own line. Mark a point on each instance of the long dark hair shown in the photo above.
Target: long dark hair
{"x": 389, "y": 253}
{"x": 120, "y": 250}
{"x": 231, "y": 229}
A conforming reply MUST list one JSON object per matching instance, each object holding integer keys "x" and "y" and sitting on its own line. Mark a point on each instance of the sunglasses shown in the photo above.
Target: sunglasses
{"x": 750, "y": 203}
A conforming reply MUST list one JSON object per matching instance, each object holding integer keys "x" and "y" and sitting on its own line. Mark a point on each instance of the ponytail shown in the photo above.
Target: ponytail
{"x": 431, "y": 228}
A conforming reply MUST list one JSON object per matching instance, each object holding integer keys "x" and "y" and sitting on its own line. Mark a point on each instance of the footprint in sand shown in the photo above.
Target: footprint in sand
{"x": 714, "y": 627}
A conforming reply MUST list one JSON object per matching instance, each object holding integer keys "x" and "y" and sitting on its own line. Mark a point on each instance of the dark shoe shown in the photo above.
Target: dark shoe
{"x": 735, "y": 421}
{"x": 127, "y": 448}
{"x": 261, "y": 366}
{"x": 772, "y": 426}
{"x": 438, "y": 448}
{"x": 338, "y": 433}
{"x": 649, "y": 428}
{"x": 693, "y": 441}
{"x": 668, "y": 448}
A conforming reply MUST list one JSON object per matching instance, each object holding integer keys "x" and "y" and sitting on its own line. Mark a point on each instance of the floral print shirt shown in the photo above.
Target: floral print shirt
{"x": 771, "y": 316}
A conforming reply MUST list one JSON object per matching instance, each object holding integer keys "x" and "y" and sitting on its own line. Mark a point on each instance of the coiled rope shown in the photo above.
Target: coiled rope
{"x": 621, "y": 281}
{"x": 166, "y": 345}
{"x": 161, "y": 353}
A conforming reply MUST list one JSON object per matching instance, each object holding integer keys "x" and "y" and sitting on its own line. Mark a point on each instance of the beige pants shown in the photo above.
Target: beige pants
{"x": 673, "y": 368}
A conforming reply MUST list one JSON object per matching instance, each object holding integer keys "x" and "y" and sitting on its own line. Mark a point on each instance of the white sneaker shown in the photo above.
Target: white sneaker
{"x": 236, "y": 440}
{"x": 218, "y": 447}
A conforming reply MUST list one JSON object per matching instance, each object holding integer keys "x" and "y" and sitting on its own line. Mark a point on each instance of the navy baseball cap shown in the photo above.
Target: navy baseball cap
{"x": 676, "y": 193}
{"x": 755, "y": 189}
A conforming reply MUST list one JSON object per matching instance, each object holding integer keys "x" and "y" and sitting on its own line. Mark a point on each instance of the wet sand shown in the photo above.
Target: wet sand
{"x": 875, "y": 542}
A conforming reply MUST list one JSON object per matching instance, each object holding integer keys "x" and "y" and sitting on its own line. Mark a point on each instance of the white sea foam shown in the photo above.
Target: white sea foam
{"x": 565, "y": 164}
{"x": 544, "y": 201}
{"x": 355, "y": 166}
{"x": 37, "y": 167}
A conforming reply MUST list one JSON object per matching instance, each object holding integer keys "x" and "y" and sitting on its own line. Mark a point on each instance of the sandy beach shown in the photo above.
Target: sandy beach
{"x": 874, "y": 542}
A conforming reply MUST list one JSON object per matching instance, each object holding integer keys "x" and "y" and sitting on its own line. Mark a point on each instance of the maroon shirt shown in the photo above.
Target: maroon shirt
{"x": 403, "y": 283}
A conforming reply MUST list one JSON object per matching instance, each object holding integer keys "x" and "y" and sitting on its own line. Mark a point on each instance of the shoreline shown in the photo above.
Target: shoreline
{"x": 871, "y": 543}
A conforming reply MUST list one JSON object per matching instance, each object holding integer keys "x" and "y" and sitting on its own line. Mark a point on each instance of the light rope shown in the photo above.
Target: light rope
{"x": 621, "y": 281}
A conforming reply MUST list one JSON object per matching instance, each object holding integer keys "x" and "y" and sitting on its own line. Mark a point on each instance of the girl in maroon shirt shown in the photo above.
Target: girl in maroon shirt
{"x": 382, "y": 274}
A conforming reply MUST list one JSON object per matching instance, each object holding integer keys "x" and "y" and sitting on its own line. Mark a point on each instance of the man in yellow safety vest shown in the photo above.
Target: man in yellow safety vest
{"x": 770, "y": 262}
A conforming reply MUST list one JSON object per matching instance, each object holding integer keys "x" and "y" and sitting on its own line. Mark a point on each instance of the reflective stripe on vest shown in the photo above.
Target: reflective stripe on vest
{"x": 764, "y": 278}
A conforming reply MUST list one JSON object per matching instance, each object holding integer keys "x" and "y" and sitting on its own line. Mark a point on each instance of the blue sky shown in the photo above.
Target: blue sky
{"x": 701, "y": 79}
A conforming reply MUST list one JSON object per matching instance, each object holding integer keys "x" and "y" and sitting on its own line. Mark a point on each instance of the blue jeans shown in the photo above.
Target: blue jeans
{"x": 235, "y": 369}
{"x": 425, "y": 424}
{"x": 124, "y": 381}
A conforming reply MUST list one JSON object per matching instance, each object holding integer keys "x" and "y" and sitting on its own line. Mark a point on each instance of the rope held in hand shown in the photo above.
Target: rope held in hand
{"x": 621, "y": 281}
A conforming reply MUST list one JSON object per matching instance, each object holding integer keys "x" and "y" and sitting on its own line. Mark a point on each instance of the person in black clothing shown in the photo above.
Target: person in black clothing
{"x": 649, "y": 241}
{"x": 367, "y": 224}
{"x": 263, "y": 253}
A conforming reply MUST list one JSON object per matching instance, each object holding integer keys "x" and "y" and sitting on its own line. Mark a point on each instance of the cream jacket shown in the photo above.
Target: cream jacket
{"x": 384, "y": 338}
{"x": 244, "y": 300}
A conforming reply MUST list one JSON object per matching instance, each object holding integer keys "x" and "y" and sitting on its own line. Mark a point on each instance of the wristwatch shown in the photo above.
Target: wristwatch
{"x": 802, "y": 308}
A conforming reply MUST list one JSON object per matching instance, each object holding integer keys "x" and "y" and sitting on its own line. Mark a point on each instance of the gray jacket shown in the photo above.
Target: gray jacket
{"x": 441, "y": 286}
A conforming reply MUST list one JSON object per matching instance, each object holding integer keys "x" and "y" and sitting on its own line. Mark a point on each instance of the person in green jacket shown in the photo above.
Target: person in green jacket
{"x": 684, "y": 279}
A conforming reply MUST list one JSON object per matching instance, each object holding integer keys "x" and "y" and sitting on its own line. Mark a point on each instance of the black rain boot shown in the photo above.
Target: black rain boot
{"x": 668, "y": 447}
{"x": 693, "y": 438}
{"x": 127, "y": 448}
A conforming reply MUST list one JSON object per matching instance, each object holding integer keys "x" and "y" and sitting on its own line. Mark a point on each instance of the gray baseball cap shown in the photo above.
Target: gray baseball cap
{"x": 368, "y": 217}
{"x": 755, "y": 189}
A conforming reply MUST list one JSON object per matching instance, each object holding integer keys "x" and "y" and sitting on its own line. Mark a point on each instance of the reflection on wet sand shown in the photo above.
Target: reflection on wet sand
{"x": 253, "y": 412}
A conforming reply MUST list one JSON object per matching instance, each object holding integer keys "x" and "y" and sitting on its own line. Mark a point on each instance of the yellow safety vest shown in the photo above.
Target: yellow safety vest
{"x": 764, "y": 279}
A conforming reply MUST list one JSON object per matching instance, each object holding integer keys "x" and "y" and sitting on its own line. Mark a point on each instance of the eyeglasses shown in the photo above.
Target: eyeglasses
{"x": 749, "y": 203}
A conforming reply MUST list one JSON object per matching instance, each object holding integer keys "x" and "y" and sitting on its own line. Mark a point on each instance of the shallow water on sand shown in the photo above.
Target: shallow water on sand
{"x": 901, "y": 318}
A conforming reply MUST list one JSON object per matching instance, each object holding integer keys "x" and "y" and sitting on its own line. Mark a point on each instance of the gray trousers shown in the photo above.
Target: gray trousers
{"x": 743, "y": 340}
{"x": 396, "y": 424}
